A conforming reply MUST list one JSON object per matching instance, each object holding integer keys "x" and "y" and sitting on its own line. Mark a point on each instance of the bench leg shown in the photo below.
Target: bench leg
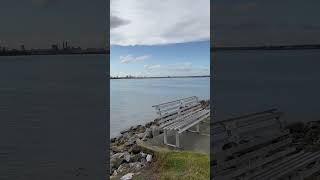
{"x": 165, "y": 136}
{"x": 198, "y": 127}
{"x": 177, "y": 140}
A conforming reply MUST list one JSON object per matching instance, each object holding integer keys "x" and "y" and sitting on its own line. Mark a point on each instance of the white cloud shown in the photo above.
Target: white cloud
{"x": 177, "y": 69}
{"x": 147, "y": 22}
{"x": 131, "y": 59}
{"x": 150, "y": 67}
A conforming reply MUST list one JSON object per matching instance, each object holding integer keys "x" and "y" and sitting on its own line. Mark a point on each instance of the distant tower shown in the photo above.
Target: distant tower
{"x": 22, "y": 48}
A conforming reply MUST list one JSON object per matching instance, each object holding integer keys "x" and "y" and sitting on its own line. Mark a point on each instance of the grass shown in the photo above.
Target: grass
{"x": 176, "y": 165}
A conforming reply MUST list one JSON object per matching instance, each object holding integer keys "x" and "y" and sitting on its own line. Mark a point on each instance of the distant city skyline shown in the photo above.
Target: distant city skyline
{"x": 160, "y": 39}
{"x": 41, "y": 23}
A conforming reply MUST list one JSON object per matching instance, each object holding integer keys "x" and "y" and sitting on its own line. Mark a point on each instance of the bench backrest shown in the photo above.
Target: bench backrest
{"x": 171, "y": 110}
{"x": 244, "y": 143}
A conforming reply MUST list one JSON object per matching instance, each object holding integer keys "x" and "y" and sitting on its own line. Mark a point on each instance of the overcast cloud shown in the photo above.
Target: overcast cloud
{"x": 147, "y": 22}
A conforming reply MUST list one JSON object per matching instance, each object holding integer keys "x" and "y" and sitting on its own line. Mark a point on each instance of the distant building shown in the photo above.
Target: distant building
{"x": 54, "y": 47}
{"x": 22, "y": 48}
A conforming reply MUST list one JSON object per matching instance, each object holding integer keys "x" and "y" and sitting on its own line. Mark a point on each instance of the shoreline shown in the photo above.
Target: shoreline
{"x": 171, "y": 77}
{"x": 126, "y": 155}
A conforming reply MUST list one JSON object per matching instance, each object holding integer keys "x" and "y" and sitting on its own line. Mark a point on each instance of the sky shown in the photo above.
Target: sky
{"x": 40, "y": 23}
{"x": 160, "y": 38}
{"x": 265, "y": 22}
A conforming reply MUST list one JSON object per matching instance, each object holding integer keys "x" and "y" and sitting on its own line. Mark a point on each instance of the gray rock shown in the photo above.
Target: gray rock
{"x": 140, "y": 129}
{"x": 125, "y": 131}
{"x": 123, "y": 168}
{"x": 136, "y": 158}
{"x": 127, "y": 176}
{"x": 118, "y": 149}
{"x": 127, "y": 157}
{"x": 131, "y": 141}
{"x": 135, "y": 149}
{"x": 147, "y": 134}
{"x": 116, "y": 160}
{"x": 148, "y": 125}
{"x": 115, "y": 173}
{"x": 136, "y": 166}
{"x": 113, "y": 140}
{"x": 134, "y": 127}
{"x": 140, "y": 135}
{"x": 143, "y": 154}
{"x": 149, "y": 158}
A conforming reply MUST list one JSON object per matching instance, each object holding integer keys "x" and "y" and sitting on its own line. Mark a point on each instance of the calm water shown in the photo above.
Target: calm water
{"x": 131, "y": 100}
{"x": 250, "y": 81}
{"x": 52, "y": 117}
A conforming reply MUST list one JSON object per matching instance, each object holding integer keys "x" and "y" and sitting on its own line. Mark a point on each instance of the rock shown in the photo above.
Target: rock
{"x": 124, "y": 131}
{"x": 148, "y": 125}
{"x": 205, "y": 103}
{"x": 149, "y": 158}
{"x": 134, "y": 127}
{"x": 147, "y": 134}
{"x": 143, "y": 154}
{"x": 118, "y": 149}
{"x": 127, "y": 176}
{"x": 136, "y": 158}
{"x": 115, "y": 173}
{"x": 140, "y": 135}
{"x": 140, "y": 129}
{"x": 143, "y": 160}
{"x": 123, "y": 168}
{"x": 135, "y": 149}
{"x": 116, "y": 160}
{"x": 113, "y": 140}
{"x": 127, "y": 157}
{"x": 130, "y": 141}
{"x": 136, "y": 166}
{"x": 121, "y": 140}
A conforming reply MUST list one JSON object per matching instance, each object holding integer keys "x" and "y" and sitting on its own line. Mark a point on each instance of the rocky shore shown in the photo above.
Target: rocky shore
{"x": 126, "y": 157}
{"x": 306, "y": 135}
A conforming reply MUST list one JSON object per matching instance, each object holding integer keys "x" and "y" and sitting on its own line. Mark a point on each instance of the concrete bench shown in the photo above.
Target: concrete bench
{"x": 257, "y": 146}
{"x": 171, "y": 110}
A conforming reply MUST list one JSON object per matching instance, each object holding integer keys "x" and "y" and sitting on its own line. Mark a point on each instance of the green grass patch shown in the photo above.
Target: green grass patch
{"x": 181, "y": 165}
